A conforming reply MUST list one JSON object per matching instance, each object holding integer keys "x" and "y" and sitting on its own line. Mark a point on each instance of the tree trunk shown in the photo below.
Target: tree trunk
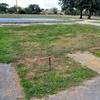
{"x": 81, "y": 15}
{"x": 50, "y": 64}
{"x": 90, "y": 14}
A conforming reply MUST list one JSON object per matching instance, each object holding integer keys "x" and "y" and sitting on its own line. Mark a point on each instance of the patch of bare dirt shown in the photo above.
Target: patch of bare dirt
{"x": 29, "y": 75}
{"x": 39, "y": 61}
{"x": 28, "y": 62}
{"x": 94, "y": 48}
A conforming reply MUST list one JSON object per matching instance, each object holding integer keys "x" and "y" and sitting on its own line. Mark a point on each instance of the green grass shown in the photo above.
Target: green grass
{"x": 35, "y": 16}
{"x": 37, "y": 40}
{"x": 96, "y": 52}
{"x": 43, "y": 16}
{"x": 30, "y": 46}
{"x": 44, "y": 83}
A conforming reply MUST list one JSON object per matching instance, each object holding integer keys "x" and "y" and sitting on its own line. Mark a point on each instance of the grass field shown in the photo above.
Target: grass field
{"x": 97, "y": 53}
{"x": 34, "y": 16}
{"x": 30, "y": 47}
{"x": 43, "y": 16}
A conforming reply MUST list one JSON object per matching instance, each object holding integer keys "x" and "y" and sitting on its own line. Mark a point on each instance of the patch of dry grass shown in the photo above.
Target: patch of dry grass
{"x": 30, "y": 47}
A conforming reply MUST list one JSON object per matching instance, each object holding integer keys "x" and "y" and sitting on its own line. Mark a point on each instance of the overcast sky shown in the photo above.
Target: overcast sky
{"x": 42, "y": 3}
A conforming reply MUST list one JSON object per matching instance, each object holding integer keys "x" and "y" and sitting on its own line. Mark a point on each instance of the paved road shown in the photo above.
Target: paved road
{"x": 9, "y": 83}
{"x": 26, "y": 21}
{"x": 34, "y": 20}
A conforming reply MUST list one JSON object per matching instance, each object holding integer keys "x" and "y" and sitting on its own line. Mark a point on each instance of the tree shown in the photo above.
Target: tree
{"x": 35, "y": 9}
{"x": 12, "y": 10}
{"x": 28, "y": 10}
{"x": 81, "y": 5}
{"x": 54, "y": 10}
{"x": 3, "y": 7}
{"x": 67, "y": 5}
{"x": 21, "y": 11}
{"x": 89, "y": 5}
{"x": 94, "y": 5}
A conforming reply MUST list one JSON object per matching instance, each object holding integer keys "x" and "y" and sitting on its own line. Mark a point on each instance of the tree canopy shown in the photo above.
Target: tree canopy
{"x": 3, "y": 7}
{"x": 34, "y": 8}
{"x": 31, "y": 9}
{"x": 89, "y": 5}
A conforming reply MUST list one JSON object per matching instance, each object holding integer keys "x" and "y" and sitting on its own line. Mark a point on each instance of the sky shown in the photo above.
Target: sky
{"x": 42, "y": 3}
